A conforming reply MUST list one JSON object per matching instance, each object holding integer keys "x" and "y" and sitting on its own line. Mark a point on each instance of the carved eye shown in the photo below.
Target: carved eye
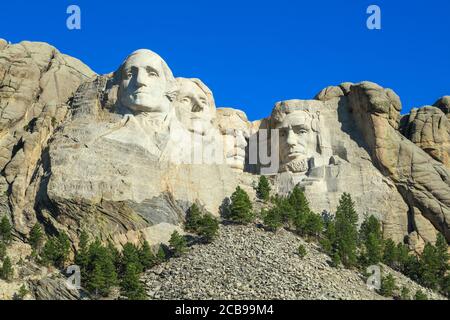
{"x": 152, "y": 73}
{"x": 185, "y": 100}
{"x": 128, "y": 74}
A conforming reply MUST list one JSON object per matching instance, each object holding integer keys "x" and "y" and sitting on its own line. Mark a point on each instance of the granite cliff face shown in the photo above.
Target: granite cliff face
{"x": 124, "y": 155}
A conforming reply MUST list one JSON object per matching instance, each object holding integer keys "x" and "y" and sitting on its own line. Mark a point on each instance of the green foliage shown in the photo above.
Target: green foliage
{"x": 335, "y": 259}
{"x": 130, "y": 255}
{"x": 193, "y": 218}
{"x": 372, "y": 241}
{"x": 36, "y": 237}
{"x": 313, "y": 225}
{"x": 6, "y": 271}
{"x": 300, "y": 209}
{"x": 130, "y": 286}
{"x": 445, "y": 286}
{"x": 241, "y": 207}
{"x": 263, "y": 189}
{"x": 178, "y": 244}
{"x": 21, "y": 294}
{"x": 429, "y": 267}
{"x": 100, "y": 271}
{"x": 201, "y": 223}
{"x": 388, "y": 286}
{"x": 285, "y": 209}
{"x": 405, "y": 294}
{"x": 161, "y": 255}
{"x": 5, "y": 230}
{"x": 146, "y": 256}
{"x": 272, "y": 218}
{"x": 328, "y": 241}
{"x": 56, "y": 250}
{"x": 82, "y": 255}
{"x": 346, "y": 236}
{"x": 420, "y": 295}
{"x": 208, "y": 227}
{"x": 302, "y": 251}
{"x": 2, "y": 250}
{"x": 442, "y": 256}
{"x": 390, "y": 253}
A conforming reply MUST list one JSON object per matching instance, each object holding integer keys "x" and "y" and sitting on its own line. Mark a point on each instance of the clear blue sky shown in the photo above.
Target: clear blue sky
{"x": 255, "y": 53}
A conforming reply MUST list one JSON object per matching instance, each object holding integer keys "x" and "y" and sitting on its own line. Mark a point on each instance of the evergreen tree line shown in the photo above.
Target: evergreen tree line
{"x": 347, "y": 245}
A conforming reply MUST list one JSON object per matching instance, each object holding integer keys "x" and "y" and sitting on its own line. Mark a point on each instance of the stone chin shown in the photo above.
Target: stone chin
{"x": 236, "y": 163}
{"x": 297, "y": 165}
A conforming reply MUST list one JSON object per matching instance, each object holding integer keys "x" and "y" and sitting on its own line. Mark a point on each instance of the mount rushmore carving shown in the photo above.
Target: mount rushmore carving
{"x": 124, "y": 155}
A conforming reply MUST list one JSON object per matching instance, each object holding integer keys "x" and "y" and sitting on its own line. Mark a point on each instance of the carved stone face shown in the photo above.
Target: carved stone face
{"x": 297, "y": 141}
{"x": 235, "y": 144}
{"x": 193, "y": 107}
{"x": 144, "y": 83}
{"x": 235, "y": 130}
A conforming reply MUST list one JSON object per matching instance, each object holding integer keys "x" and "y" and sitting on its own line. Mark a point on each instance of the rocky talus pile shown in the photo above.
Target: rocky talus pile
{"x": 246, "y": 262}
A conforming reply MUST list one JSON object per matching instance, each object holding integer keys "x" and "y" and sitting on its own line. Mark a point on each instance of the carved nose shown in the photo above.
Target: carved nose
{"x": 291, "y": 139}
{"x": 140, "y": 79}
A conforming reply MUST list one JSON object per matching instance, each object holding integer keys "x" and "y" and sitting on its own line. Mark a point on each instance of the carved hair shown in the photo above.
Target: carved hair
{"x": 283, "y": 108}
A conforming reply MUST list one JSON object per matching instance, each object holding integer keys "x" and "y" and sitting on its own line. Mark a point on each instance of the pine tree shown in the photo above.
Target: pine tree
{"x": 7, "y": 271}
{"x": 193, "y": 218}
{"x": 346, "y": 230}
{"x": 36, "y": 237}
{"x": 5, "y": 230}
{"x": 429, "y": 267}
{"x": 2, "y": 250}
{"x": 241, "y": 207}
{"x": 115, "y": 254}
{"x": 313, "y": 225}
{"x": 301, "y": 251}
{"x": 272, "y": 219}
{"x": 263, "y": 189}
{"x": 56, "y": 250}
{"x": 300, "y": 209}
{"x": 178, "y": 244}
{"x": 130, "y": 255}
{"x": 372, "y": 240}
{"x": 388, "y": 286}
{"x": 442, "y": 256}
{"x": 130, "y": 286}
{"x": 100, "y": 271}
{"x": 208, "y": 228}
{"x": 82, "y": 255}
{"x": 146, "y": 256}
{"x": 328, "y": 241}
{"x": 285, "y": 209}
{"x": 161, "y": 255}
{"x": 390, "y": 253}
{"x": 445, "y": 286}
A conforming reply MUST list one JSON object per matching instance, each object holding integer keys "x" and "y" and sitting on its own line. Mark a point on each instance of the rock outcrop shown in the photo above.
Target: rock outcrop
{"x": 37, "y": 82}
{"x": 423, "y": 182}
{"x": 124, "y": 155}
{"x": 429, "y": 128}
